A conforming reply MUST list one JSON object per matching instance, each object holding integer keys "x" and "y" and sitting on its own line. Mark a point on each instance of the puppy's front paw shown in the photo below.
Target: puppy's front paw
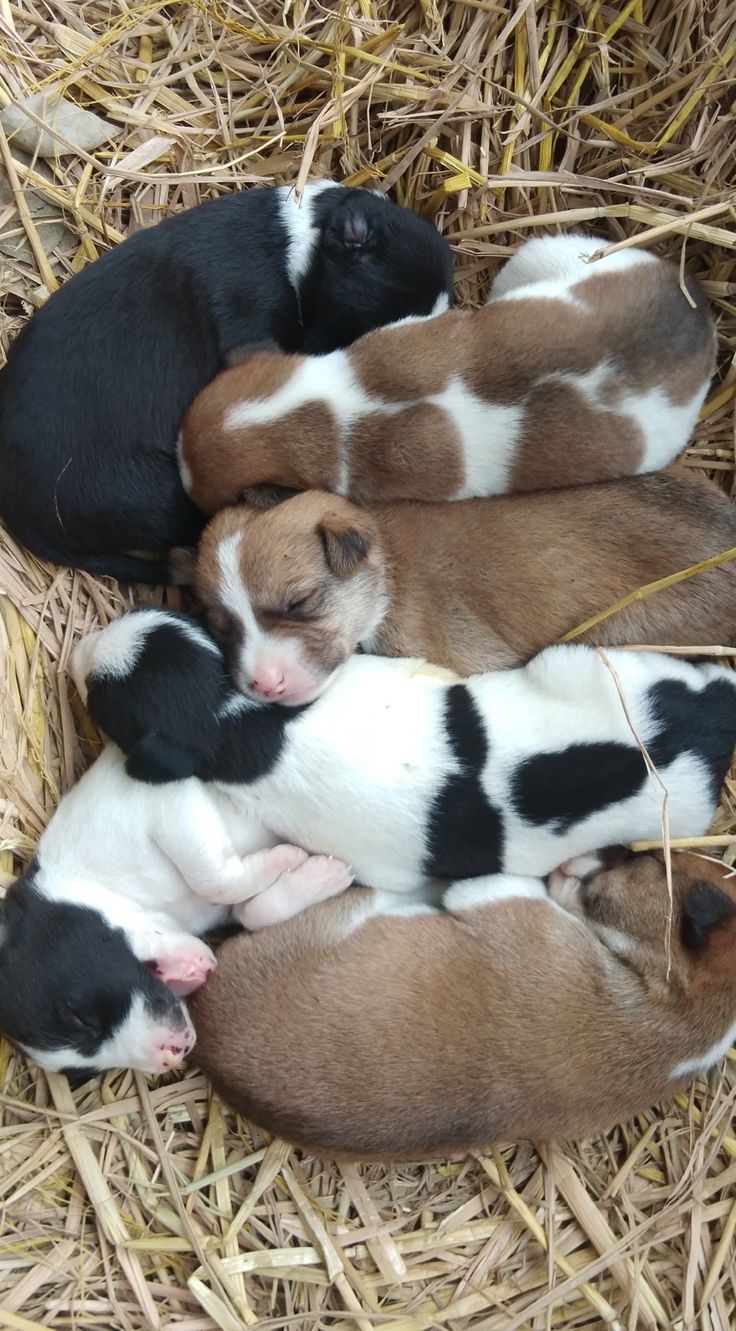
{"x": 185, "y": 966}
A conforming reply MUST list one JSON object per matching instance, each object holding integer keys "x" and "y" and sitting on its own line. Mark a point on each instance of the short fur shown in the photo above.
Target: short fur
{"x": 512, "y": 1017}
{"x": 98, "y": 381}
{"x": 293, "y": 591}
{"x": 99, "y": 938}
{"x": 573, "y": 372}
{"x": 410, "y": 779}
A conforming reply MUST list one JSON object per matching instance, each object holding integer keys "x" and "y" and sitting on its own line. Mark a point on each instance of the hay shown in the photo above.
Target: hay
{"x": 133, "y": 1205}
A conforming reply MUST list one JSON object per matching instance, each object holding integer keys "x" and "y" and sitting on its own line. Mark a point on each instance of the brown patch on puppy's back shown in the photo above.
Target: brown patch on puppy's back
{"x": 416, "y": 453}
{"x": 598, "y": 445}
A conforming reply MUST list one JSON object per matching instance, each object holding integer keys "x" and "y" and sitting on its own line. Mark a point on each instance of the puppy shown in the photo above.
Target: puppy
{"x": 99, "y": 938}
{"x": 97, "y": 383}
{"x": 573, "y": 372}
{"x": 292, "y": 592}
{"x": 511, "y": 1017}
{"x": 410, "y": 779}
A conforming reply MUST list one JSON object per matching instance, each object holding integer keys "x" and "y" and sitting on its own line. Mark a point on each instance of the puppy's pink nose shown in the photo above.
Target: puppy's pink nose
{"x": 269, "y": 682}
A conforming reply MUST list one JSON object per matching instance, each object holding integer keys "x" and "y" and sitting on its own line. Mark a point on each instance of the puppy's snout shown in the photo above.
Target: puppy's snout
{"x": 269, "y": 682}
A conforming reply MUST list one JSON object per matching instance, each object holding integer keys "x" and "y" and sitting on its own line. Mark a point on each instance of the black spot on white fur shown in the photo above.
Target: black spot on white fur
{"x": 464, "y": 831}
{"x": 709, "y": 734}
{"x": 564, "y": 787}
{"x": 572, "y": 784}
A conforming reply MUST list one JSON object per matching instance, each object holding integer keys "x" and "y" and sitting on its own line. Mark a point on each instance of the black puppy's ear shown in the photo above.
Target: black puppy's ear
{"x": 345, "y": 547}
{"x": 705, "y": 907}
{"x": 157, "y": 760}
{"x": 263, "y": 497}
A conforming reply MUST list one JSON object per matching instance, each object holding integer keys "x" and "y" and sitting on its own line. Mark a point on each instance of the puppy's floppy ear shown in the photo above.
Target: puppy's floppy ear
{"x": 157, "y": 760}
{"x": 263, "y": 497}
{"x": 345, "y": 544}
{"x": 705, "y": 907}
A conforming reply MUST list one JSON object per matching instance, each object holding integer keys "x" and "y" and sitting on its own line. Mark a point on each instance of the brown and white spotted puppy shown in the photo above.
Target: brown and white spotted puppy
{"x": 474, "y": 586}
{"x": 574, "y": 371}
{"x": 520, "y": 1013}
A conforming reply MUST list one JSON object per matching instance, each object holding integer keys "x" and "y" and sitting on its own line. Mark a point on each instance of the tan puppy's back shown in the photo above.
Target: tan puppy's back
{"x": 413, "y": 1036}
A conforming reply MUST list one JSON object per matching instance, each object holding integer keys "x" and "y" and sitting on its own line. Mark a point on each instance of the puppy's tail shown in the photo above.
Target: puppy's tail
{"x": 126, "y": 568}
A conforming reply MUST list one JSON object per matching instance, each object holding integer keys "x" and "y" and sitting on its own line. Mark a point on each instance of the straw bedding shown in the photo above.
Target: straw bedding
{"x": 133, "y": 1204}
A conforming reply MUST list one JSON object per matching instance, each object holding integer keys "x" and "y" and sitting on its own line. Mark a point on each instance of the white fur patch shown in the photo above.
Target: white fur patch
{"x": 185, "y": 471}
{"x": 690, "y": 1067}
{"x": 301, "y": 233}
{"x": 472, "y": 892}
{"x": 550, "y": 265}
{"x": 489, "y": 436}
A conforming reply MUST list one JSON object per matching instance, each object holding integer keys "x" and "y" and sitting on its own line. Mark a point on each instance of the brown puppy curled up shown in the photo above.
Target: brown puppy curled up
{"x": 577, "y": 369}
{"x": 520, "y": 1013}
{"x": 472, "y": 586}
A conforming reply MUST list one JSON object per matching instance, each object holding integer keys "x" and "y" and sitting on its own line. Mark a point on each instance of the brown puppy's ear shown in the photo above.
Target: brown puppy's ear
{"x": 263, "y": 497}
{"x": 345, "y": 545}
{"x": 705, "y": 907}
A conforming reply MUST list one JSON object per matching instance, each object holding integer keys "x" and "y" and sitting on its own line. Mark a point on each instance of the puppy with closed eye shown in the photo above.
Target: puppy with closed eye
{"x": 291, "y": 592}
{"x": 412, "y": 779}
{"x": 519, "y": 1013}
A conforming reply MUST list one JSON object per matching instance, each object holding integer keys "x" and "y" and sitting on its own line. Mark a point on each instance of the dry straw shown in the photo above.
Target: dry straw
{"x": 135, "y": 1204}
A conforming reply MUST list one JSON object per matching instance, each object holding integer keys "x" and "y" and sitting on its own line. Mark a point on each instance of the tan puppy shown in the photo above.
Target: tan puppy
{"x": 512, "y": 1017}
{"x": 575, "y": 371}
{"x": 472, "y": 586}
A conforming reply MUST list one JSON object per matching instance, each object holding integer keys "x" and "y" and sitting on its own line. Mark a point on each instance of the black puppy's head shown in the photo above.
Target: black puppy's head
{"x": 75, "y": 997}
{"x": 154, "y": 682}
{"x": 374, "y": 263}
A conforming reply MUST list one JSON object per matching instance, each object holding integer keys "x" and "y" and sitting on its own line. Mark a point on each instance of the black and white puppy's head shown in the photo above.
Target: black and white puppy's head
{"x": 155, "y": 682}
{"x": 73, "y": 995}
{"x": 375, "y": 263}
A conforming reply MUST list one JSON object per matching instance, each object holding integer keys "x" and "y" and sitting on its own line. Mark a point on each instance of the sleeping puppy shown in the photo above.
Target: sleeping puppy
{"x": 573, "y": 372}
{"x": 98, "y": 381}
{"x": 410, "y": 779}
{"x": 292, "y": 592}
{"x": 99, "y": 938}
{"x": 520, "y": 1014}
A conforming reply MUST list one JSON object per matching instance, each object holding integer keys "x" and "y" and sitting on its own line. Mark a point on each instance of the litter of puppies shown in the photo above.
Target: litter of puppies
{"x": 258, "y": 765}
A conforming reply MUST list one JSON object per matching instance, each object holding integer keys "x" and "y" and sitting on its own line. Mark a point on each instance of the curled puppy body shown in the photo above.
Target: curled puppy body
{"x": 512, "y": 1017}
{"x": 293, "y": 591}
{"x": 99, "y": 938}
{"x": 573, "y": 372}
{"x": 410, "y": 779}
{"x": 97, "y": 383}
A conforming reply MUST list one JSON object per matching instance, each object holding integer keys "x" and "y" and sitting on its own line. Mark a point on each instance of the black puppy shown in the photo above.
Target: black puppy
{"x": 98, "y": 381}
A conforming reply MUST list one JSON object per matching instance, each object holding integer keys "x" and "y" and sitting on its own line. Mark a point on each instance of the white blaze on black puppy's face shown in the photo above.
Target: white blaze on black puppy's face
{"x": 291, "y": 592}
{"x": 361, "y": 262}
{"x": 75, "y": 997}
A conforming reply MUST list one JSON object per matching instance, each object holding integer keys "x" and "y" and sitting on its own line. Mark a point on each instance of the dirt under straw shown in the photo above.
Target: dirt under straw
{"x": 133, "y": 1203}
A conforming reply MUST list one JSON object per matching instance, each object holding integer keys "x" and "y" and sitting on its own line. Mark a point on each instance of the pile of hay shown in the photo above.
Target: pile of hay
{"x": 135, "y": 1204}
